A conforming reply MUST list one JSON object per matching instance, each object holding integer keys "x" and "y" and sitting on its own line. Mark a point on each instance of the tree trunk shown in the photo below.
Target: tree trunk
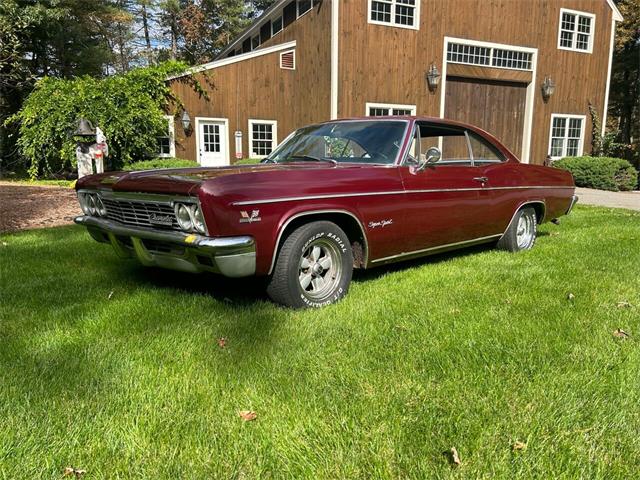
{"x": 174, "y": 39}
{"x": 145, "y": 28}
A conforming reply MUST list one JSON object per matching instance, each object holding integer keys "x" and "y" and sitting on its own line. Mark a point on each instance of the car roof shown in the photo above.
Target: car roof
{"x": 437, "y": 120}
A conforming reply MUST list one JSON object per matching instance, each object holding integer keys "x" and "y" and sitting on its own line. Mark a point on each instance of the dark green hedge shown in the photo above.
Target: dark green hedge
{"x": 177, "y": 163}
{"x": 161, "y": 163}
{"x": 603, "y": 173}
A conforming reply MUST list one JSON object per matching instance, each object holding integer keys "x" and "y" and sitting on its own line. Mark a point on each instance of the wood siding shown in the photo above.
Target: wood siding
{"x": 384, "y": 64}
{"x": 474, "y": 101}
{"x": 259, "y": 89}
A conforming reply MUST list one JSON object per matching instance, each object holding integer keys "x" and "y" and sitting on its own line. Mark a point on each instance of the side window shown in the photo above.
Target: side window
{"x": 451, "y": 141}
{"x": 483, "y": 151}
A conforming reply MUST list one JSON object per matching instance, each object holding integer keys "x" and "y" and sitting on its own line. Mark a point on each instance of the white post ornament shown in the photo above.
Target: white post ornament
{"x": 91, "y": 148}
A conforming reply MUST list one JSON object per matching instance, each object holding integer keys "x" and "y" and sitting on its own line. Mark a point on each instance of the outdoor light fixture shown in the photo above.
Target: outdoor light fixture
{"x": 548, "y": 87}
{"x": 186, "y": 121}
{"x": 433, "y": 77}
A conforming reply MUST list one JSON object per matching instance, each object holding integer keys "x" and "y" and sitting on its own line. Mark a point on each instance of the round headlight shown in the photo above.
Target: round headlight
{"x": 82, "y": 200}
{"x": 91, "y": 204}
{"x": 183, "y": 216}
{"x": 198, "y": 219}
{"x": 100, "y": 208}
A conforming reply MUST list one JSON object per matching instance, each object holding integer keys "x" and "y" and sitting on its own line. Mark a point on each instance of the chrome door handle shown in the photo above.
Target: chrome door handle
{"x": 481, "y": 179}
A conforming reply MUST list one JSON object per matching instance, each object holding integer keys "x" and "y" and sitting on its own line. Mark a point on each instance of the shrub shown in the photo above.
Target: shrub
{"x": 129, "y": 108}
{"x": 603, "y": 173}
{"x": 248, "y": 161}
{"x": 161, "y": 163}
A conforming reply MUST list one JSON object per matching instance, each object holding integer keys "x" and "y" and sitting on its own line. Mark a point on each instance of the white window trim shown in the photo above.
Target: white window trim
{"x": 568, "y": 116}
{"x": 293, "y": 50}
{"x": 252, "y": 122}
{"x": 273, "y": 34}
{"x": 390, "y": 106}
{"x": 392, "y": 23}
{"x": 259, "y": 41}
{"x": 171, "y": 129}
{"x": 592, "y": 16}
{"x": 298, "y": 14}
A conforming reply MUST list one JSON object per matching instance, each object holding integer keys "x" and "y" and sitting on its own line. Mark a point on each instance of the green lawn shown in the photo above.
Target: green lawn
{"x": 112, "y": 368}
{"x": 40, "y": 183}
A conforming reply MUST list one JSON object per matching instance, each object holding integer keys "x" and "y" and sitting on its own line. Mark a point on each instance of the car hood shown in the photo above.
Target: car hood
{"x": 183, "y": 181}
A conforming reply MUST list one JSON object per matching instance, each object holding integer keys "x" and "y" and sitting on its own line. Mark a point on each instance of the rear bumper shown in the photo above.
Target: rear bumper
{"x": 229, "y": 256}
{"x": 574, "y": 200}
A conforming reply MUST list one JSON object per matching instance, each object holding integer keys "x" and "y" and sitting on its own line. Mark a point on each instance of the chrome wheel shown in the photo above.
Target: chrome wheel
{"x": 525, "y": 231}
{"x": 319, "y": 269}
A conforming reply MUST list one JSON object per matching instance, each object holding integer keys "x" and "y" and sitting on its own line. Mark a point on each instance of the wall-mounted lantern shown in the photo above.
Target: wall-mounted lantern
{"x": 185, "y": 119}
{"x": 433, "y": 78}
{"x": 548, "y": 87}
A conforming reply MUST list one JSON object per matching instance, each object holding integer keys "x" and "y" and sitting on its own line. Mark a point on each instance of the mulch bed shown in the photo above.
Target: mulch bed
{"x": 24, "y": 207}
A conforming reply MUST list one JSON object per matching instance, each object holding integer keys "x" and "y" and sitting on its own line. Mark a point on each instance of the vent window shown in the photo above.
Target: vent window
{"x": 288, "y": 60}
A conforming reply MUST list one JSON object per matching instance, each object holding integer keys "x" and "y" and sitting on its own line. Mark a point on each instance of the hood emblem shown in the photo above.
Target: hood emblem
{"x": 250, "y": 218}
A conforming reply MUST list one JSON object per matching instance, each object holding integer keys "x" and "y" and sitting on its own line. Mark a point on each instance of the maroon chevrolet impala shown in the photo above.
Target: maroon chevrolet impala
{"x": 332, "y": 197}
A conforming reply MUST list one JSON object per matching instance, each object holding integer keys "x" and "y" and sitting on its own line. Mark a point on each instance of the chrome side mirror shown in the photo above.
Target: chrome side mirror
{"x": 432, "y": 156}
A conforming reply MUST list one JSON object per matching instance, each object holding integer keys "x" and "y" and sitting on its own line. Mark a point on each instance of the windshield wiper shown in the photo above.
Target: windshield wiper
{"x": 311, "y": 157}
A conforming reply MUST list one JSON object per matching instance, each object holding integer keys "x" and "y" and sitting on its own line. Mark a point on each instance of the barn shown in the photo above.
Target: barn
{"x": 526, "y": 71}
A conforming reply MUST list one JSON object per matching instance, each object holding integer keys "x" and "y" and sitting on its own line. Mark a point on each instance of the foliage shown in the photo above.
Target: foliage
{"x": 624, "y": 102}
{"x": 56, "y": 38}
{"x": 129, "y": 108}
{"x": 596, "y": 132}
{"x": 161, "y": 163}
{"x": 248, "y": 161}
{"x": 119, "y": 370}
{"x": 603, "y": 173}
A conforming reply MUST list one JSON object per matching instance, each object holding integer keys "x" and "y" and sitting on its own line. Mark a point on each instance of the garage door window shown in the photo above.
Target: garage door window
{"x": 262, "y": 137}
{"x": 385, "y": 109}
{"x": 567, "y": 136}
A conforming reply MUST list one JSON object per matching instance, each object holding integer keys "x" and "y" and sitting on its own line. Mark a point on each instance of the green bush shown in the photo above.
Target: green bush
{"x": 161, "y": 163}
{"x": 248, "y": 161}
{"x": 603, "y": 173}
{"x": 129, "y": 108}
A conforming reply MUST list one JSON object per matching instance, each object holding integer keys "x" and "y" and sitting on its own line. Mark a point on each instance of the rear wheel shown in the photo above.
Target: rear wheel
{"x": 313, "y": 268}
{"x": 521, "y": 233}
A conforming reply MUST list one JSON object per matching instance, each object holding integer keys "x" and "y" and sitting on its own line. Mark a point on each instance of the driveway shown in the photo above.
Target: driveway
{"x": 23, "y": 206}
{"x": 601, "y": 198}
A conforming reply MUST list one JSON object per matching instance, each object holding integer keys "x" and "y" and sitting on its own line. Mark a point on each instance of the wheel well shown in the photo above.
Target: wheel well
{"x": 538, "y": 207}
{"x": 345, "y": 221}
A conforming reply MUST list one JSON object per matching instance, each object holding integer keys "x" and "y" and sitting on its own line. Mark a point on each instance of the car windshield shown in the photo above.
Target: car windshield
{"x": 375, "y": 142}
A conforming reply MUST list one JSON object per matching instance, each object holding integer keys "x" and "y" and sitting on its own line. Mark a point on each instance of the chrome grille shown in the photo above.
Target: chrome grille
{"x": 137, "y": 213}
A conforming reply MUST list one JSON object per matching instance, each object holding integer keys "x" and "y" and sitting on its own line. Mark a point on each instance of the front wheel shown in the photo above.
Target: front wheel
{"x": 313, "y": 268}
{"x": 521, "y": 233}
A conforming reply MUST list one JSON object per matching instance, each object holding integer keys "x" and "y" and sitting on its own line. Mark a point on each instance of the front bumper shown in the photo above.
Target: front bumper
{"x": 229, "y": 256}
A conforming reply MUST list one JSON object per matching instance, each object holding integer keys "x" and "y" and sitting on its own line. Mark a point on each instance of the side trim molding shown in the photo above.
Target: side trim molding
{"x": 317, "y": 212}
{"x": 393, "y": 192}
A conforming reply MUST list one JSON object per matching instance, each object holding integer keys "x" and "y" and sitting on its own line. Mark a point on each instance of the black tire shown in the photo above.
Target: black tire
{"x": 302, "y": 260}
{"x": 521, "y": 233}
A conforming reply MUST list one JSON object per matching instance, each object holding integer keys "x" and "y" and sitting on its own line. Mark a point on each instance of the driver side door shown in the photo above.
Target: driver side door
{"x": 444, "y": 205}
